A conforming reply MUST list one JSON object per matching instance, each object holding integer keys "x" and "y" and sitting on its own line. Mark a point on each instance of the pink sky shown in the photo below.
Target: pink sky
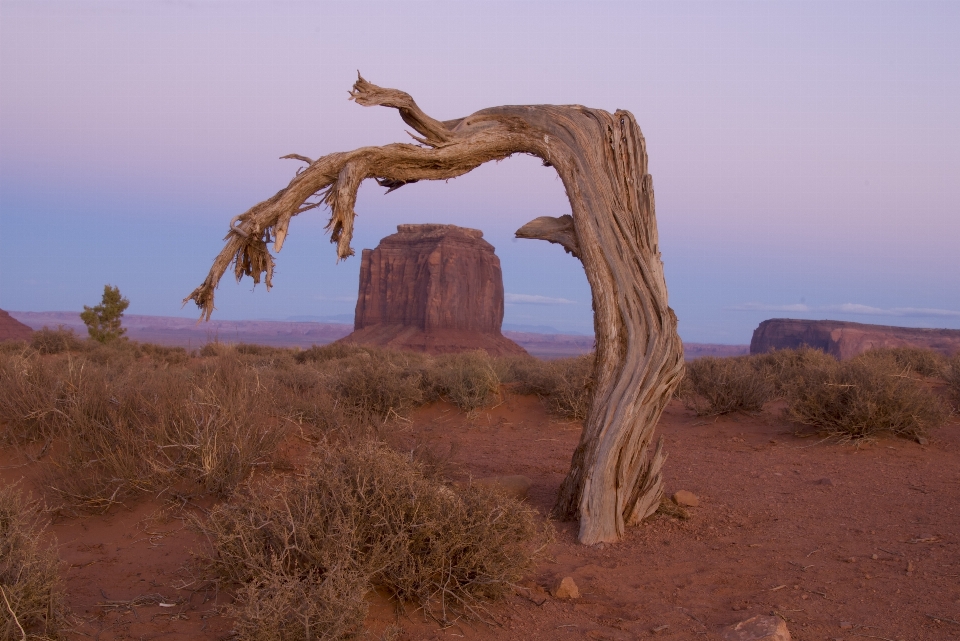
{"x": 805, "y": 155}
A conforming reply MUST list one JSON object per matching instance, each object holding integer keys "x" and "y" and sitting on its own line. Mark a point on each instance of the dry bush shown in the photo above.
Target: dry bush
{"x": 30, "y": 584}
{"x": 468, "y": 380}
{"x": 323, "y": 353}
{"x": 362, "y": 517}
{"x": 14, "y": 347}
{"x": 56, "y": 341}
{"x": 378, "y": 384}
{"x": 125, "y": 428}
{"x": 864, "y": 397}
{"x": 721, "y": 385}
{"x": 564, "y": 384}
{"x": 924, "y": 362}
{"x": 951, "y": 374}
{"x": 784, "y": 366}
{"x": 164, "y": 354}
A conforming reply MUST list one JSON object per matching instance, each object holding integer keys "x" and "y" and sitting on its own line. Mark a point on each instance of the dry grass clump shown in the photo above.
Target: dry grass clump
{"x": 864, "y": 397}
{"x": 784, "y": 366}
{"x": 32, "y": 593}
{"x": 362, "y": 517}
{"x": 565, "y": 384}
{"x": 468, "y": 380}
{"x": 951, "y": 375}
{"x": 722, "y": 385}
{"x": 377, "y": 384}
{"x": 924, "y": 362}
{"x": 132, "y": 426}
{"x": 56, "y": 341}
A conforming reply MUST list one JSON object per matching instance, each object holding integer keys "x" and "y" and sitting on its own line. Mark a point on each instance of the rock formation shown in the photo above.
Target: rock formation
{"x": 846, "y": 340}
{"x": 12, "y": 329}
{"x": 432, "y": 288}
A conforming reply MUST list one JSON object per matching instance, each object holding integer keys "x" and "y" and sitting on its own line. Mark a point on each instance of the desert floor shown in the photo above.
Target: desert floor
{"x": 843, "y": 541}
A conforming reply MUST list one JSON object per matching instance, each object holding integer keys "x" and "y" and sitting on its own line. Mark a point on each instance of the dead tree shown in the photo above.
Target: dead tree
{"x": 614, "y": 478}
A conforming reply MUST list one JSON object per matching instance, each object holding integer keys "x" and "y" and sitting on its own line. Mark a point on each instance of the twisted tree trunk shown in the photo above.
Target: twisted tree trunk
{"x": 614, "y": 479}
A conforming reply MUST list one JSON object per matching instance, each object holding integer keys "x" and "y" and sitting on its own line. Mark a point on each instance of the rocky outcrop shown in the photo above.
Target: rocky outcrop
{"x": 432, "y": 288}
{"x": 13, "y": 330}
{"x": 846, "y": 340}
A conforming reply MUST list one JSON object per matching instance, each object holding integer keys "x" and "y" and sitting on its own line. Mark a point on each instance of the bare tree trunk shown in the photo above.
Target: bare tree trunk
{"x": 614, "y": 479}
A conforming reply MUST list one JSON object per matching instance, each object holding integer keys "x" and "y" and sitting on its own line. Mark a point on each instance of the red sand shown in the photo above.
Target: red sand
{"x": 875, "y": 548}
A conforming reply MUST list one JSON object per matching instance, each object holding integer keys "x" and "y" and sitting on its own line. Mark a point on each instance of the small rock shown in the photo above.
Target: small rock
{"x": 874, "y": 557}
{"x": 851, "y": 559}
{"x": 845, "y": 625}
{"x": 684, "y": 498}
{"x": 825, "y": 481}
{"x": 565, "y": 588}
{"x": 514, "y": 486}
{"x": 758, "y": 628}
{"x": 922, "y": 440}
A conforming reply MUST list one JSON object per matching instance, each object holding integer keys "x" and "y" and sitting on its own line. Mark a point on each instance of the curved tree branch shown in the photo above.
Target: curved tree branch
{"x": 614, "y": 479}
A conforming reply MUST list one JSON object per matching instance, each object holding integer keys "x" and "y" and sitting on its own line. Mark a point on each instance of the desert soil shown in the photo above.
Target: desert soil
{"x": 843, "y": 541}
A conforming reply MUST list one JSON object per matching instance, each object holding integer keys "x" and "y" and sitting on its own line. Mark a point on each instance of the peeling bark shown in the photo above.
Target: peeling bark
{"x": 614, "y": 479}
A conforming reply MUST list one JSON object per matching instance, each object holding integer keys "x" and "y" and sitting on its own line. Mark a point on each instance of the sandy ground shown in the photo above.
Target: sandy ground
{"x": 842, "y": 541}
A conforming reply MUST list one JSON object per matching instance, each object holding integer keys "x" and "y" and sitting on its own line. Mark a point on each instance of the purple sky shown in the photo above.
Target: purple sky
{"x": 805, "y": 155}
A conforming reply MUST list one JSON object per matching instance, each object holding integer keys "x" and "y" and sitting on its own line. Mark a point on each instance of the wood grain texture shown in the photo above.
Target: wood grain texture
{"x": 601, "y": 158}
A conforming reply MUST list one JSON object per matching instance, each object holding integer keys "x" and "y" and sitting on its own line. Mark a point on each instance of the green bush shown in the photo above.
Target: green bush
{"x": 103, "y": 321}
{"x": 304, "y": 554}
{"x": 952, "y": 376}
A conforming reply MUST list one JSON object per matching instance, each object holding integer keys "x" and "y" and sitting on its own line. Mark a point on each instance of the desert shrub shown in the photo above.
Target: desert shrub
{"x": 30, "y": 582}
{"x": 468, "y": 380}
{"x": 784, "y": 366}
{"x": 864, "y": 397}
{"x": 714, "y": 385}
{"x": 122, "y": 430}
{"x": 165, "y": 354}
{"x": 364, "y": 516}
{"x": 924, "y": 362}
{"x": 377, "y": 384}
{"x": 565, "y": 384}
{"x": 55, "y": 341}
{"x": 952, "y": 376}
{"x": 13, "y": 347}
{"x": 323, "y": 353}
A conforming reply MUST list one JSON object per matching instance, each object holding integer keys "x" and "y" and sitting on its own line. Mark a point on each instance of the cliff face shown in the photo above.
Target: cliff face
{"x": 846, "y": 340}
{"x": 12, "y": 329}
{"x": 433, "y": 288}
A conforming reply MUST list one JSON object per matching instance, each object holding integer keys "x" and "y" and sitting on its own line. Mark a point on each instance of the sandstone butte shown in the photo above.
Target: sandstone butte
{"x": 845, "y": 340}
{"x": 13, "y": 330}
{"x": 432, "y": 288}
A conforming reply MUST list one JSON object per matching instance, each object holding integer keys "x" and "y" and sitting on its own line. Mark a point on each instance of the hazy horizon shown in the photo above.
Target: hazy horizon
{"x": 805, "y": 154}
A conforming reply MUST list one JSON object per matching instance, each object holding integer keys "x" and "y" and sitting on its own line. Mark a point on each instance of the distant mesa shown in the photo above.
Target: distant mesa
{"x": 432, "y": 288}
{"x": 13, "y": 330}
{"x": 845, "y": 340}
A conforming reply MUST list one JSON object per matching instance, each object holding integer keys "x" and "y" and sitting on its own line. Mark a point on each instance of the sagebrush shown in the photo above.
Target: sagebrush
{"x": 303, "y": 554}
{"x": 32, "y": 604}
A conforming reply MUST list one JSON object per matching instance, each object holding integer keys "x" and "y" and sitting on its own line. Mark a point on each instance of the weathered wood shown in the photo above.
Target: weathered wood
{"x": 614, "y": 479}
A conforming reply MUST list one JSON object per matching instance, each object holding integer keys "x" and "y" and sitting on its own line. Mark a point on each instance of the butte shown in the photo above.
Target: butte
{"x": 434, "y": 289}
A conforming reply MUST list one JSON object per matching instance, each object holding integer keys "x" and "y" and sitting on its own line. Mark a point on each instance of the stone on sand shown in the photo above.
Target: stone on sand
{"x": 758, "y": 628}
{"x": 565, "y": 588}
{"x": 684, "y": 498}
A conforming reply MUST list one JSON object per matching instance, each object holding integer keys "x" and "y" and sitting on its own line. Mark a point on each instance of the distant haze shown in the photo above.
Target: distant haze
{"x": 805, "y": 154}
